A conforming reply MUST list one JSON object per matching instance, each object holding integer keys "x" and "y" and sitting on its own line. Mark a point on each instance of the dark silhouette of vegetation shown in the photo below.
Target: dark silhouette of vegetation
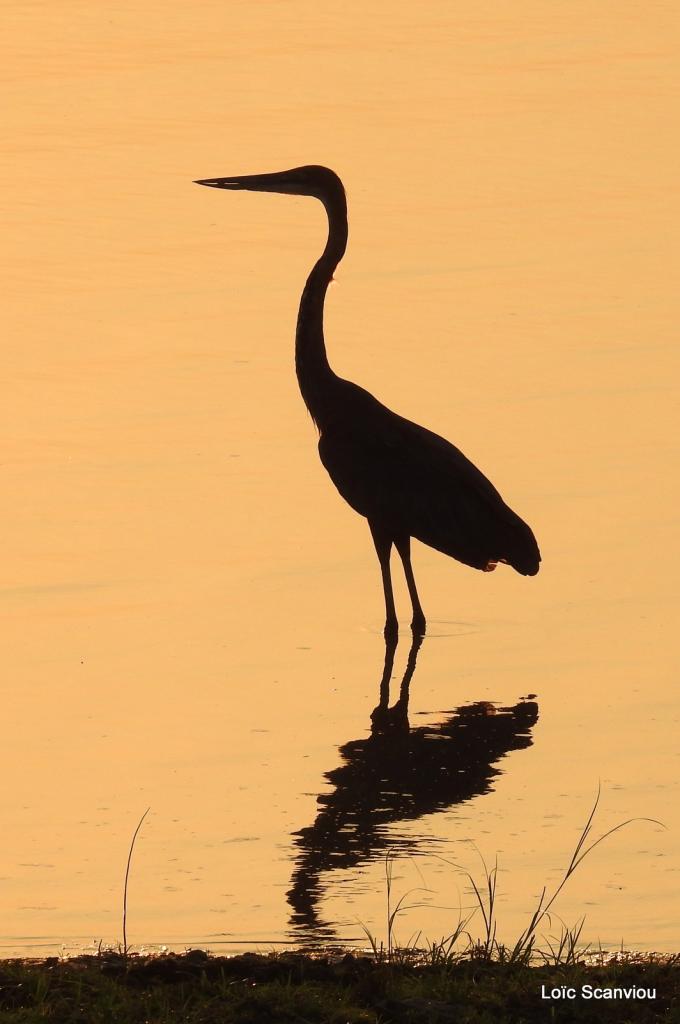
{"x": 195, "y": 988}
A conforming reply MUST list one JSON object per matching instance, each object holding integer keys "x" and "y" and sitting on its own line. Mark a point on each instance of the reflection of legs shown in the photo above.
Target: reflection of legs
{"x": 390, "y": 648}
{"x": 410, "y": 668}
{"x": 399, "y": 712}
{"x": 395, "y": 719}
{"x": 383, "y": 546}
{"x": 379, "y": 715}
{"x": 403, "y": 546}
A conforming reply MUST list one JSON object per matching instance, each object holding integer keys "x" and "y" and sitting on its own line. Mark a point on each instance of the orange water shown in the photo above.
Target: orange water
{"x": 192, "y": 614}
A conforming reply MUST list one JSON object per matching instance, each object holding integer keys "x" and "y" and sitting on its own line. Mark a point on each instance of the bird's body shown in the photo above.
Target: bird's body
{"x": 406, "y": 480}
{"x": 418, "y": 484}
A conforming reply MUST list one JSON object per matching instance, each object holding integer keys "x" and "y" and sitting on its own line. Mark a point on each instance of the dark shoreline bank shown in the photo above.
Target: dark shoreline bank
{"x": 251, "y": 988}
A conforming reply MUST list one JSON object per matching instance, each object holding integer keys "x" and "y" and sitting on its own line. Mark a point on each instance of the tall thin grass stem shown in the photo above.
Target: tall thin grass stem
{"x": 127, "y": 877}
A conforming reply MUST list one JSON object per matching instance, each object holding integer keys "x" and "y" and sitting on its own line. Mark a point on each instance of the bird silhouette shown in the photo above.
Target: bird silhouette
{"x": 406, "y": 480}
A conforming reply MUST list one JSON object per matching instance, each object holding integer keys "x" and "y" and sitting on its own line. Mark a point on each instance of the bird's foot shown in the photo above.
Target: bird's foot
{"x": 418, "y": 625}
{"x": 391, "y": 631}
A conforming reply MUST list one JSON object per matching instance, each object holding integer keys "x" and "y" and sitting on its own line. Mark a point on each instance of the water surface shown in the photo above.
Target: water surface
{"x": 192, "y": 615}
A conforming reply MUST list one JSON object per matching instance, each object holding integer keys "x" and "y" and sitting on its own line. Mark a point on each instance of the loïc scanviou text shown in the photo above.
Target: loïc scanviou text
{"x": 595, "y": 992}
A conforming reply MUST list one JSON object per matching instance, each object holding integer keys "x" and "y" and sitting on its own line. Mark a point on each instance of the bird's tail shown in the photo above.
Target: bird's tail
{"x": 522, "y": 550}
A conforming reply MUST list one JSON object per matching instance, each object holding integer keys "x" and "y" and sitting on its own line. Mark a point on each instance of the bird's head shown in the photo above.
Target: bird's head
{"x": 311, "y": 180}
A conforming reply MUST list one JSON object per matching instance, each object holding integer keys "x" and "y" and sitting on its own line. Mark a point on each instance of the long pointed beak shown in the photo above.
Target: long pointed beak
{"x": 281, "y": 181}
{"x": 220, "y": 182}
{"x": 253, "y": 182}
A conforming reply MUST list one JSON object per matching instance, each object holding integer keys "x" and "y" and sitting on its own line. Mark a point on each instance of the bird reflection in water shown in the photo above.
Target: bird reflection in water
{"x": 398, "y": 773}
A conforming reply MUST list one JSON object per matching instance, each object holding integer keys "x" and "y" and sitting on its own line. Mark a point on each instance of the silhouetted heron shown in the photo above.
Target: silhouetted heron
{"x": 406, "y": 480}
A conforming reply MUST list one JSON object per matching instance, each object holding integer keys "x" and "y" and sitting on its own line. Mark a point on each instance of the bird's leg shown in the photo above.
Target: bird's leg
{"x": 403, "y": 546}
{"x": 383, "y": 547}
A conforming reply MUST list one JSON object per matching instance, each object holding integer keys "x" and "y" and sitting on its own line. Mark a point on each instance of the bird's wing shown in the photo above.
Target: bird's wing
{"x": 399, "y": 473}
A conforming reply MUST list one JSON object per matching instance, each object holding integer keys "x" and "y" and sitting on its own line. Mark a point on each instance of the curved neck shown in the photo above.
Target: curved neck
{"x": 315, "y": 376}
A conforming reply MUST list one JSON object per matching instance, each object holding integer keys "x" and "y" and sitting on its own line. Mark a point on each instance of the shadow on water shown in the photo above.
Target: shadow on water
{"x": 398, "y": 773}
